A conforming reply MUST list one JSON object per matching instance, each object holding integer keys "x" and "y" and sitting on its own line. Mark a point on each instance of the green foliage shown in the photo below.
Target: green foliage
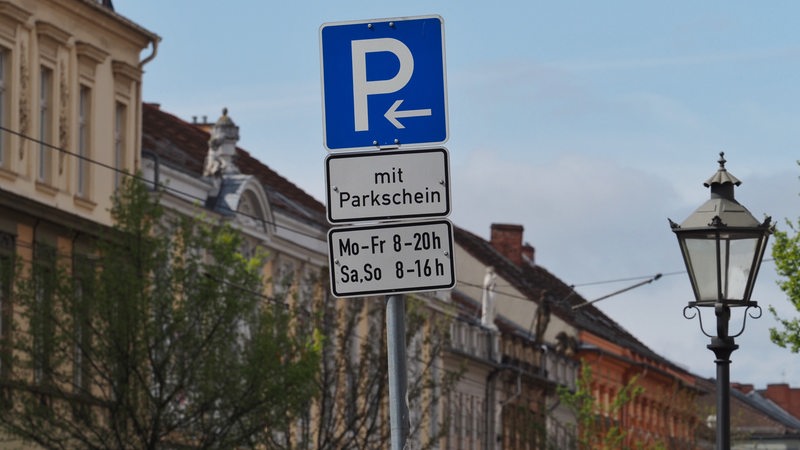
{"x": 786, "y": 253}
{"x": 427, "y": 335}
{"x": 598, "y": 425}
{"x": 157, "y": 337}
{"x": 353, "y": 382}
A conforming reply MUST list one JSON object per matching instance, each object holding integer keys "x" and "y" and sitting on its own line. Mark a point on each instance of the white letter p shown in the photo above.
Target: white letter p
{"x": 363, "y": 88}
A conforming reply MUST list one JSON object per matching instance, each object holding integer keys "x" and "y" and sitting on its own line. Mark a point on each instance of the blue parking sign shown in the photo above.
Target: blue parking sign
{"x": 383, "y": 83}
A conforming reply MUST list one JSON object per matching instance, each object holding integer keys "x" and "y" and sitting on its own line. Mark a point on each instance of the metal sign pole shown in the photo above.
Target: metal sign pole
{"x": 387, "y": 258}
{"x": 398, "y": 372}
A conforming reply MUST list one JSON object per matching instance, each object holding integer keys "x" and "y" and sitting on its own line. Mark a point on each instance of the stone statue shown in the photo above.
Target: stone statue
{"x": 487, "y": 299}
{"x": 222, "y": 147}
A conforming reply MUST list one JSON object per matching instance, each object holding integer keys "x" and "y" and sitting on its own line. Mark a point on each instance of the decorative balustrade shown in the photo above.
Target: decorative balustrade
{"x": 470, "y": 339}
{"x": 561, "y": 370}
{"x": 517, "y": 351}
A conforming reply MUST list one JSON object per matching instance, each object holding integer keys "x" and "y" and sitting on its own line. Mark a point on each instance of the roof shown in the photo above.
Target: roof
{"x": 751, "y": 414}
{"x": 183, "y": 146}
{"x": 772, "y": 409}
{"x": 107, "y": 7}
{"x": 532, "y": 280}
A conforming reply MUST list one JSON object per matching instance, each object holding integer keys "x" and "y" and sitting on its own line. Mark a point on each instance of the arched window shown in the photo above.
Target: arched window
{"x": 250, "y": 208}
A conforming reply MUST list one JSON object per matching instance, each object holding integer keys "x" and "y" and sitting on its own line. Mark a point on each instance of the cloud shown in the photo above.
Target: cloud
{"x": 592, "y": 219}
{"x": 578, "y": 211}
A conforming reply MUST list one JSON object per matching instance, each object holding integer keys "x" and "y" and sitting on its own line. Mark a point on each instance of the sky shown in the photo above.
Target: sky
{"x": 588, "y": 123}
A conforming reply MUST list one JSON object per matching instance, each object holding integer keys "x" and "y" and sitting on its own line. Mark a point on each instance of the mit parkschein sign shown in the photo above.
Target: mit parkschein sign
{"x": 387, "y": 185}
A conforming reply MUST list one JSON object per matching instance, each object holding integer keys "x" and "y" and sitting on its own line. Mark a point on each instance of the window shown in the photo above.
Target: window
{"x": 83, "y": 275}
{"x": 283, "y": 276}
{"x": 6, "y": 278}
{"x": 46, "y": 112}
{"x": 84, "y": 140}
{"x": 42, "y": 318}
{"x": 120, "y": 119}
{"x": 306, "y": 291}
{"x": 4, "y": 98}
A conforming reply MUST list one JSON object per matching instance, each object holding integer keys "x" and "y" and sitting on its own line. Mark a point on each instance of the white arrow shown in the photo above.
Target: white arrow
{"x": 392, "y": 114}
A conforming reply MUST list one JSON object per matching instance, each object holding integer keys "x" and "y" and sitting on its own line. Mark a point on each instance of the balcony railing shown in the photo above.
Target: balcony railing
{"x": 536, "y": 359}
{"x": 470, "y": 339}
{"x": 561, "y": 370}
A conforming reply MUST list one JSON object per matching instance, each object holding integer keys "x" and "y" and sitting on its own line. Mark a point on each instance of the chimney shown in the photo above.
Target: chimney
{"x": 784, "y": 396}
{"x": 507, "y": 239}
{"x": 202, "y": 123}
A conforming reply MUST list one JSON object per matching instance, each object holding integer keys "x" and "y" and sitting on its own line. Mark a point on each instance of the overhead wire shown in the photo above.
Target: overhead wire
{"x": 165, "y": 188}
{"x": 620, "y": 280}
{"x": 617, "y": 292}
{"x": 66, "y": 255}
{"x": 648, "y": 279}
{"x": 573, "y": 286}
{"x": 160, "y": 186}
{"x": 275, "y": 300}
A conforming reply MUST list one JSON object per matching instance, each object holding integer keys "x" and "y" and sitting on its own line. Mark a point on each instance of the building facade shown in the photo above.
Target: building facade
{"x": 70, "y": 103}
{"x": 784, "y": 396}
{"x": 474, "y": 382}
{"x": 664, "y": 413}
{"x": 486, "y": 361}
{"x": 530, "y": 363}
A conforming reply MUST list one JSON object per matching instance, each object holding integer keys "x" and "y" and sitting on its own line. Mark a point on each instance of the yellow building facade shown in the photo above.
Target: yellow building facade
{"x": 72, "y": 124}
{"x": 70, "y": 102}
{"x": 70, "y": 108}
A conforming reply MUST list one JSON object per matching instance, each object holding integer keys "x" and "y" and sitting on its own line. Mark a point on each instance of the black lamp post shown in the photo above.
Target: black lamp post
{"x": 722, "y": 245}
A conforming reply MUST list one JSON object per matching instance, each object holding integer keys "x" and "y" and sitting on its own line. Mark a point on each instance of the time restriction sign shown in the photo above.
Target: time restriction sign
{"x": 391, "y": 258}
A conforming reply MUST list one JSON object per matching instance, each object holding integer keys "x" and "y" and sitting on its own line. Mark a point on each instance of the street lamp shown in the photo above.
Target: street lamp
{"x": 722, "y": 245}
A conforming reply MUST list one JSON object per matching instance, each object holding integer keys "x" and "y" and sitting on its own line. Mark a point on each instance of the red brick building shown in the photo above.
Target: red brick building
{"x": 664, "y": 413}
{"x": 784, "y": 396}
{"x": 757, "y": 421}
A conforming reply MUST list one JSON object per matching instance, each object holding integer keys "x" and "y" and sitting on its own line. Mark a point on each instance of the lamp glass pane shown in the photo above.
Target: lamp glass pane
{"x": 739, "y": 264}
{"x": 701, "y": 261}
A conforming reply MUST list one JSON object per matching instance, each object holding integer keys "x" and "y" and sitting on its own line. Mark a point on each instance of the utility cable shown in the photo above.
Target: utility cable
{"x": 641, "y": 283}
{"x": 161, "y": 187}
{"x": 648, "y": 278}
